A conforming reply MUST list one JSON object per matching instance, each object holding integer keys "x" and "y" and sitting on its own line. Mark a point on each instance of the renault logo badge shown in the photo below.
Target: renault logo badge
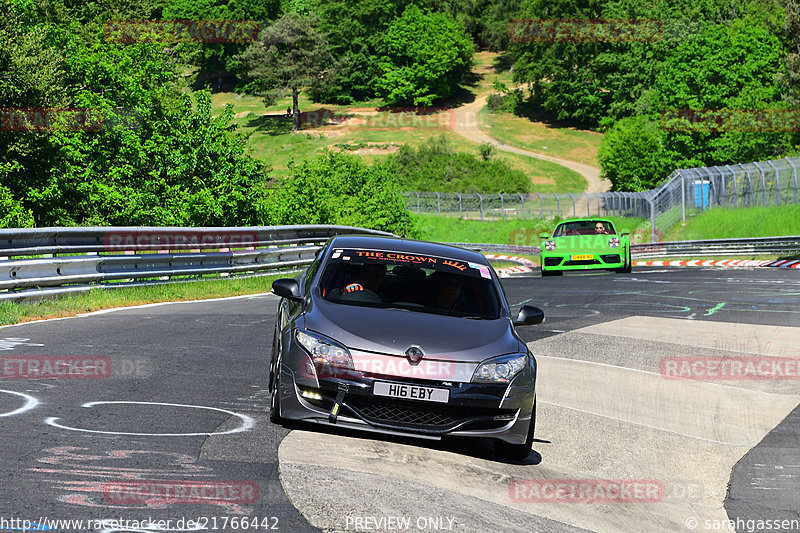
{"x": 414, "y": 354}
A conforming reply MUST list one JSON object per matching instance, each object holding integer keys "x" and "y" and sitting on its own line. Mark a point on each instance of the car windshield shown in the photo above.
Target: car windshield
{"x": 422, "y": 283}
{"x": 584, "y": 227}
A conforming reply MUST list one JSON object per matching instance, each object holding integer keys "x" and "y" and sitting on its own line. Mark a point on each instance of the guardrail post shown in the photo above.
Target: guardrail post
{"x": 588, "y": 206}
{"x": 480, "y": 198}
{"x": 558, "y": 204}
{"x": 573, "y": 204}
{"x": 417, "y": 193}
{"x": 502, "y": 206}
{"x": 438, "y": 203}
{"x": 541, "y": 206}
{"x": 460, "y": 211}
{"x": 794, "y": 172}
{"x": 522, "y": 204}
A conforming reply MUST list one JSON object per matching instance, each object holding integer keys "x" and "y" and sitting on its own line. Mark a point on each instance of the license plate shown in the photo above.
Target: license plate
{"x": 411, "y": 392}
{"x": 581, "y": 257}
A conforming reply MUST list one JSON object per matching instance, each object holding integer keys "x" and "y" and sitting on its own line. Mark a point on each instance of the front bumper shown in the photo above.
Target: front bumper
{"x": 606, "y": 259}
{"x": 500, "y": 411}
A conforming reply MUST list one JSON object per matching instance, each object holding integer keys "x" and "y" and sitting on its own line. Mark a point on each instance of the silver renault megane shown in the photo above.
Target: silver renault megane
{"x": 403, "y": 337}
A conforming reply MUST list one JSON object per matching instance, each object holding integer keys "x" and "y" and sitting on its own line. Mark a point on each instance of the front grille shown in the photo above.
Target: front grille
{"x": 582, "y": 262}
{"x": 427, "y": 418}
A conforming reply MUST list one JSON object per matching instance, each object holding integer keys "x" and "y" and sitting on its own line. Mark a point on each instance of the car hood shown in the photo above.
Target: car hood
{"x": 584, "y": 242}
{"x": 393, "y": 331}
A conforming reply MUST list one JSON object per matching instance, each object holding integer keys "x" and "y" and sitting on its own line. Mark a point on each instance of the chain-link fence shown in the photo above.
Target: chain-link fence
{"x": 688, "y": 191}
{"x": 685, "y": 191}
{"x": 527, "y": 206}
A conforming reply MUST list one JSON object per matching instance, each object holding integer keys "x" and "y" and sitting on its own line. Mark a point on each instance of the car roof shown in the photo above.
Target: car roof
{"x": 592, "y": 219}
{"x": 373, "y": 242}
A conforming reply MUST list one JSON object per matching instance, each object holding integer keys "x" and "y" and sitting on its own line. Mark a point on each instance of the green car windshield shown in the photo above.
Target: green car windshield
{"x": 584, "y": 227}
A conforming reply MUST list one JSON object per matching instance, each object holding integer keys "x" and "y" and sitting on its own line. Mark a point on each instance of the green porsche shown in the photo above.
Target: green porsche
{"x": 583, "y": 244}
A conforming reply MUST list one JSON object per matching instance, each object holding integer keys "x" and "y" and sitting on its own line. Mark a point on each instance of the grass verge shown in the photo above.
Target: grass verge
{"x": 730, "y": 223}
{"x": 98, "y": 299}
{"x": 563, "y": 142}
{"x": 513, "y": 232}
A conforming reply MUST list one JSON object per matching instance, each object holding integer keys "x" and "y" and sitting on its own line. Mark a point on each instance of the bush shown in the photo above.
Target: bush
{"x": 339, "y": 188}
{"x": 632, "y": 155}
{"x": 12, "y": 213}
{"x": 435, "y": 166}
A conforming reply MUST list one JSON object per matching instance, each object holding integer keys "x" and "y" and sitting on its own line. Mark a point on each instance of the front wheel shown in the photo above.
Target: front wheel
{"x": 628, "y": 265}
{"x": 518, "y": 452}
{"x": 275, "y": 399}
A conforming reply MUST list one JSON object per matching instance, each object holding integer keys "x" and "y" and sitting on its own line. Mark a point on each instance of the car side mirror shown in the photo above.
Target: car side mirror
{"x": 625, "y": 231}
{"x": 529, "y": 315}
{"x": 287, "y": 288}
{"x": 543, "y": 235}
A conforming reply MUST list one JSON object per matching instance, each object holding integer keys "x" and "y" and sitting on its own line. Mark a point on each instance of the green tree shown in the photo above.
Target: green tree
{"x": 214, "y": 58}
{"x": 790, "y": 76}
{"x": 727, "y": 67}
{"x": 289, "y": 56}
{"x": 598, "y": 81}
{"x": 338, "y": 188}
{"x": 423, "y": 57}
{"x": 632, "y": 154}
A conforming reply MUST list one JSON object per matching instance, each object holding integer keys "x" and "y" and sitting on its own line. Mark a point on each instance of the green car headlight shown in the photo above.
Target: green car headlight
{"x": 500, "y": 369}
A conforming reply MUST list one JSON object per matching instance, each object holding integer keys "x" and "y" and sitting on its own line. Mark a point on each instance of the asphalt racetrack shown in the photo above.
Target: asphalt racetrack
{"x": 174, "y": 426}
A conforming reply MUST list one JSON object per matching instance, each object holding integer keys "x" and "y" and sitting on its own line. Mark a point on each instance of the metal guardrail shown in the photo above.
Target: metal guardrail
{"x": 117, "y": 254}
{"x": 748, "y": 246}
{"x": 751, "y": 246}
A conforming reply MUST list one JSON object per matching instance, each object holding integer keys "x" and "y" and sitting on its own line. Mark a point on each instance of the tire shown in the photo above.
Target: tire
{"x": 275, "y": 384}
{"x": 275, "y": 402}
{"x": 518, "y": 452}
{"x": 628, "y": 265}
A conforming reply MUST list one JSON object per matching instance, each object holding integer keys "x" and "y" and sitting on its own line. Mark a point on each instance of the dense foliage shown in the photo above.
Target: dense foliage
{"x": 339, "y": 188}
{"x": 436, "y": 166}
{"x": 154, "y": 153}
{"x": 702, "y": 56}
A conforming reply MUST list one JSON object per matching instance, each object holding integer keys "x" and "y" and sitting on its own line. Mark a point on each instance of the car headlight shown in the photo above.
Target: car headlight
{"x": 549, "y": 245}
{"x": 500, "y": 369}
{"x": 613, "y": 242}
{"x": 324, "y": 351}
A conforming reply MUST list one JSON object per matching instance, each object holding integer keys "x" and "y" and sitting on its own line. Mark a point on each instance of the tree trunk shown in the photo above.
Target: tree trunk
{"x": 295, "y": 110}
